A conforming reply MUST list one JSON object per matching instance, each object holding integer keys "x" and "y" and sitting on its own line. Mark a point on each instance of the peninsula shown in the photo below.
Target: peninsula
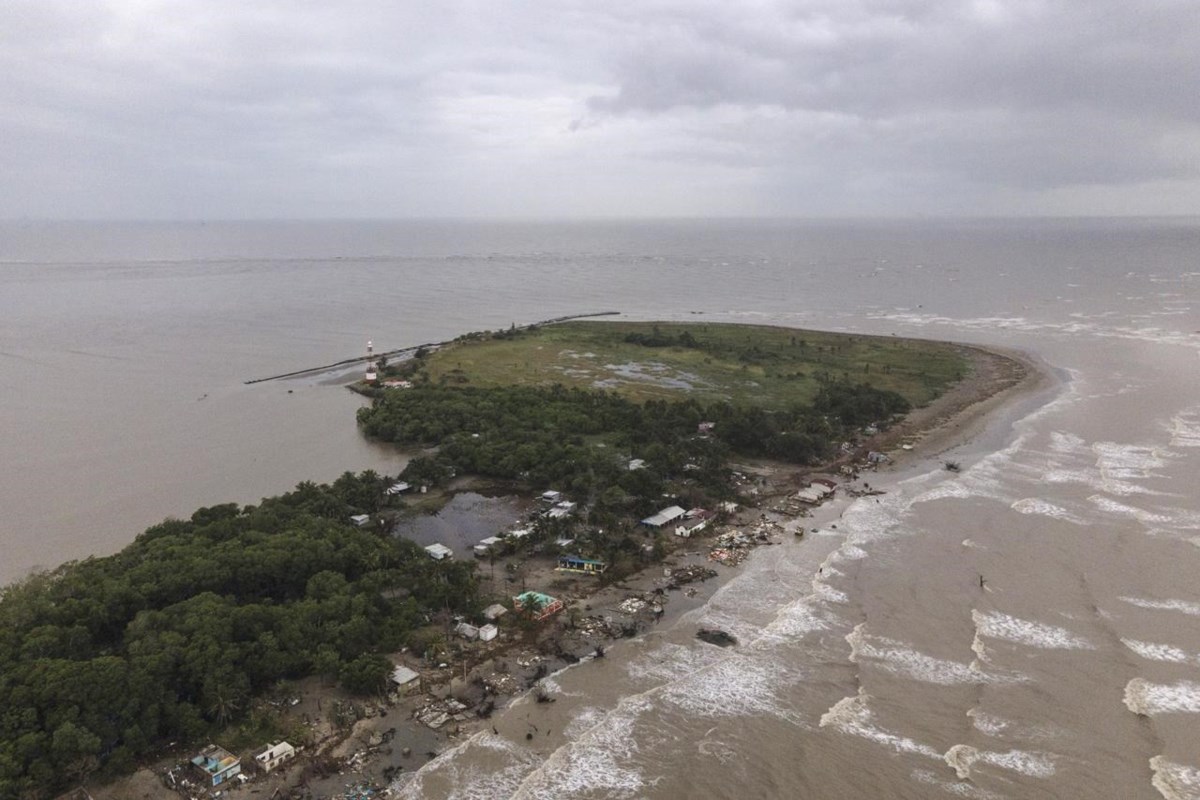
{"x": 214, "y": 627}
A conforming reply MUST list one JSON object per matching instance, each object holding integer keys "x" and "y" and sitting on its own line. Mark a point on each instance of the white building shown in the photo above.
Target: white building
{"x": 274, "y": 755}
{"x": 814, "y": 494}
{"x": 486, "y": 546}
{"x": 403, "y": 676}
{"x": 668, "y": 514}
{"x": 439, "y": 551}
{"x": 494, "y": 611}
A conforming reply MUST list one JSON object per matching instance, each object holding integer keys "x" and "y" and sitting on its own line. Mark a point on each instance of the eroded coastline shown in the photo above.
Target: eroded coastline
{"x": 382, "y": 750}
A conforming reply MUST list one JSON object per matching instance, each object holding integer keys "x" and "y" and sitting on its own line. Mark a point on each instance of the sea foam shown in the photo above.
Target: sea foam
{"x": 898, "y": 658}
{"x": 1150, "y": 699}
{"x": 1185, "y": 429}
{"x": 1183, "y": 606}
{"x": 1160, "y": 652}
{"x": 852, "y": 716}
{"x": 957, "y": 788}
{"x": 996, "y": 726}
{"x": 1027, "y": 632}
{"x": 963, "y": 757}
{"x": 596, "y": 762}
{"x": 472, "y": 783}
{"x": 1044, "y": 508}
{"x": 1175, "y": 781}
{"x": 735, "y": 686}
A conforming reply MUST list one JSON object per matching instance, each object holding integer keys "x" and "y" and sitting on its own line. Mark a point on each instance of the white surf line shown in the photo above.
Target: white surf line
{"x": 899, "y": 658}
{"x": 1152, "y": 699}
{"x": 1175, "y": 781}
{"x": 1183, "y": 606}
{"x": 996, "y": 625}
{"x": 963, "y": 758}
{"x": 1153, "y": 651}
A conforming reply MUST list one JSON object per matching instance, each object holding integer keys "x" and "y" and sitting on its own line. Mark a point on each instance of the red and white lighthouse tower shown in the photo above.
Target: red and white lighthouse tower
{"x": 372, "y": 374}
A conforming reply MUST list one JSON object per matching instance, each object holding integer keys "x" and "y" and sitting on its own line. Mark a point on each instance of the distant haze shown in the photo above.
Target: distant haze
{"x": 215, "y": 109}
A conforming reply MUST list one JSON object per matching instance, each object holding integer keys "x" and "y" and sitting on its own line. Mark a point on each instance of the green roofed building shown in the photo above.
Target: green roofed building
{"x": 539, "y": 606}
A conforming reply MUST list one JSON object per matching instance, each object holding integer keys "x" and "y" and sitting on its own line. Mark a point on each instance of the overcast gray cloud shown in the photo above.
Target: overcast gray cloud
{"x": 290, "y": 108}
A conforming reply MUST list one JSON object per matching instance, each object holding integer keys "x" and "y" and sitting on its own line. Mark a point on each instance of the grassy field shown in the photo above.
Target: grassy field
{"x": 764, "y": 366}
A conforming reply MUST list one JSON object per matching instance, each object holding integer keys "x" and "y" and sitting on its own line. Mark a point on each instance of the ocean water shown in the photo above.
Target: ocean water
{"x": 871, "y": 662}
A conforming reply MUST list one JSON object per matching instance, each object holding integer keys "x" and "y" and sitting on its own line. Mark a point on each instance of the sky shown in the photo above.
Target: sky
{"x": 227, "y": 109}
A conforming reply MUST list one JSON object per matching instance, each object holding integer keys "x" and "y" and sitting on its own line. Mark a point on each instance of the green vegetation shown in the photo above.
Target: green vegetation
{"x": 567, "y": 406}
{"x": 751, "y": 365}
{"x": 103, "y": 660}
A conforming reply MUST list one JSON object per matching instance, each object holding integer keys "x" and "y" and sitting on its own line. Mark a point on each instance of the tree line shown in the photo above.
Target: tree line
{"x": 103, "y": 660}
{"x": 579, "y": 440}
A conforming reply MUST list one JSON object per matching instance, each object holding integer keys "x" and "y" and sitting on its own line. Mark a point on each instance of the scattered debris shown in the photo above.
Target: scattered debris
{"x": 684, "y": 575}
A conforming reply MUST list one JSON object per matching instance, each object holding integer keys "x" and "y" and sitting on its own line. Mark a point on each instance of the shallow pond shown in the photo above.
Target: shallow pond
{"x": 464, "y": 521}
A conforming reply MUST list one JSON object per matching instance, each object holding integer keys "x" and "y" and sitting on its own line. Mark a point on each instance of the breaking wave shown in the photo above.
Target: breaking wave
{"x": 1175, "y": 781}
{"x": 471, "y": 782}
{"x": 1022, "y": 631}
{"x": 900, "y": 659}
{"x": 1185, "y": 429}
{"x": 595, "y": 762}
{"x": 963, "y": 757}
{"x": 1150, "y": 699}
{"x": 850, "y": 715}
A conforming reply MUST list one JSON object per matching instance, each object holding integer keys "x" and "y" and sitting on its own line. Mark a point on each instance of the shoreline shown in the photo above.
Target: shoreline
{"x": 380, "y": 747}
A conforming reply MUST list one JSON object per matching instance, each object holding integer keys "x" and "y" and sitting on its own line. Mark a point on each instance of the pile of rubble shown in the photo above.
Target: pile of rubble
{"x": 636, "y": 604}
{"x": 732, "y": 548}
{"x": 364, "y": 791}
{"x": 502, "y": 683}
{"x": 439, "y": 712}
{"x": 598, "y": 627}
{"x": 684, "y": 575}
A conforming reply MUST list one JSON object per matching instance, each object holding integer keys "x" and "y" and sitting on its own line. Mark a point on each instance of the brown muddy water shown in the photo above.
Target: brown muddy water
{"x": 1026, "y": 628}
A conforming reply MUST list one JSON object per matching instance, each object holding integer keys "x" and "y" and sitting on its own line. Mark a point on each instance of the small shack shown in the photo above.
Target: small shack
{"x": 439, "y": 551}
{"x": 578, "y": 564}
{"x": 487, "y": 545}
{"x": 539, "y": 606}
{"x": 398, "y": 488}
{"x": 551, "y": 496}
{"x": 467, "y": 631}
{"x": 561, "y": 509}
{"x": 360, "y": 519}
{"x": 494, "y": 612}
{"x": 274, "y": 755}
{"x": 488, "y": 632}
{"x": 217, "y": 764}
{"x": 814, "y": 494}
{"x": 403, "y": 676}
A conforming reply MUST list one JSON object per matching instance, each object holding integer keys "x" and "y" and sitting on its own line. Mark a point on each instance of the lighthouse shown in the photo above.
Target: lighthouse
{"x": 371, "y": 373}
